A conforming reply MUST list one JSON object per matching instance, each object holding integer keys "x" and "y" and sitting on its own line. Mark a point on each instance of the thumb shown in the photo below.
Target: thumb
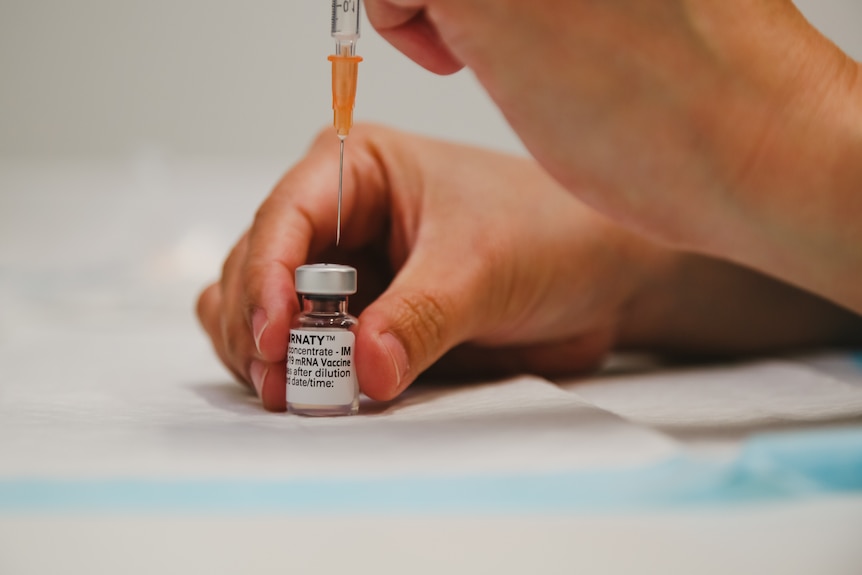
{"x": 424, "y": 313}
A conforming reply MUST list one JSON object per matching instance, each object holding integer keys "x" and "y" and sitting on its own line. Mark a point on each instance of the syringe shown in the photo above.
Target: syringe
{"x": 345, "y": 66}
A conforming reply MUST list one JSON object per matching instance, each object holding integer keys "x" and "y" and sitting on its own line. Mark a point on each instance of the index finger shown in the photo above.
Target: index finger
{"x": 297, "y": 222}
{"x": 405, "y": 25}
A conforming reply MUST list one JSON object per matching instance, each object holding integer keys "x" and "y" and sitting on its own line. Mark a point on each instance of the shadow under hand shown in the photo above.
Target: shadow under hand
{"x": 235, "y": 398}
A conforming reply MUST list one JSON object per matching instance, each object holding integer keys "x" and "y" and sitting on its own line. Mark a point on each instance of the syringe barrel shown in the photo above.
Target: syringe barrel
{"x": 345, "y": 25}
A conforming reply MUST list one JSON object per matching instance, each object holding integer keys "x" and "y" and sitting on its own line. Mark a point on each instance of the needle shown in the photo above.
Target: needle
{"x": 345, "y": 66}
{"x": 340, "y": 186}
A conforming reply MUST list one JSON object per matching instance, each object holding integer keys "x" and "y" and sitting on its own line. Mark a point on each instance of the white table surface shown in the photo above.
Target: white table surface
{"x": 104, "y": 375}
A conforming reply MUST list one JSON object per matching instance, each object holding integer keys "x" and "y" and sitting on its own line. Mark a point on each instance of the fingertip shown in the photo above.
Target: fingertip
{"x": 398, "y": 359}
{"x": 419, "y": 40}
{"x": 407, "y": 329}
{"x": 273, "y": 390}
{"x": 259, "y": 323}
{"x": 269, "y": 328}
{"x": 268, "y": 304}
{"x": 381, "y": 365}
{"x": 257, "y": 372}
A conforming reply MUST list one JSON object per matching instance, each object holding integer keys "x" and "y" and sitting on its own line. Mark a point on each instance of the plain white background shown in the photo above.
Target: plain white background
{"x": 113, "y": 78}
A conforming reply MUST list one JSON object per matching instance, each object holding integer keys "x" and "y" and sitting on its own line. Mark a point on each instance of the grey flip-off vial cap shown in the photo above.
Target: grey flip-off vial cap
{"x": 326, "y": 279}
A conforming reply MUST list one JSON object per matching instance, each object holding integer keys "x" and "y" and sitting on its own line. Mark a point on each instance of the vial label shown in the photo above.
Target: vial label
{"x": 320, "y": 367}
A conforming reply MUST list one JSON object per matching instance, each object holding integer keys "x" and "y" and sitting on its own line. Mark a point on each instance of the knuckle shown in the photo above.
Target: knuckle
{"x": 235, "y": 347}
{"x": 233, "y": 258}
{"x": 261, "y": 214}
{"x": 204, "y": 306}
{"x": 254, "y": 277}
{"x": 227, "y": 265}
{"x": 424, "y": 321}
{"x": 324, "y": 135}
{"x": 254, "y": 273}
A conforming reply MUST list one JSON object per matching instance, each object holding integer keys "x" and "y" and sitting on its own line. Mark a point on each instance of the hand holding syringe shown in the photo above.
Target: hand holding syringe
{"x": 345, "y": 65}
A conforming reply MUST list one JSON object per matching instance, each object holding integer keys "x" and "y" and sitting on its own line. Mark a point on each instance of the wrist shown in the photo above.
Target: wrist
{"x": 793, "y": 208}
{"x": 784, "y": 132}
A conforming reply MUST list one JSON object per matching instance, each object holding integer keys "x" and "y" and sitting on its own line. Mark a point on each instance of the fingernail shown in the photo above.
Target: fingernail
{"x": 259, "y": 323}
{"x": 397, "y": 354}
{"x": 258, "y": 370}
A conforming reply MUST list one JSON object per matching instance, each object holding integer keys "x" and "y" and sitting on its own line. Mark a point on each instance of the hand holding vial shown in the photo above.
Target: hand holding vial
{"x": 480, "y": 264}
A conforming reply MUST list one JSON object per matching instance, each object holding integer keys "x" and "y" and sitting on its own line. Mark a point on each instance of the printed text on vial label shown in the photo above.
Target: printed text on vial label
{"x": 320, "y": 367}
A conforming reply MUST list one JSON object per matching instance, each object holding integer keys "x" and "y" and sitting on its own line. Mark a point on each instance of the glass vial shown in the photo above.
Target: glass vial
{"x": 321, "y": 375}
